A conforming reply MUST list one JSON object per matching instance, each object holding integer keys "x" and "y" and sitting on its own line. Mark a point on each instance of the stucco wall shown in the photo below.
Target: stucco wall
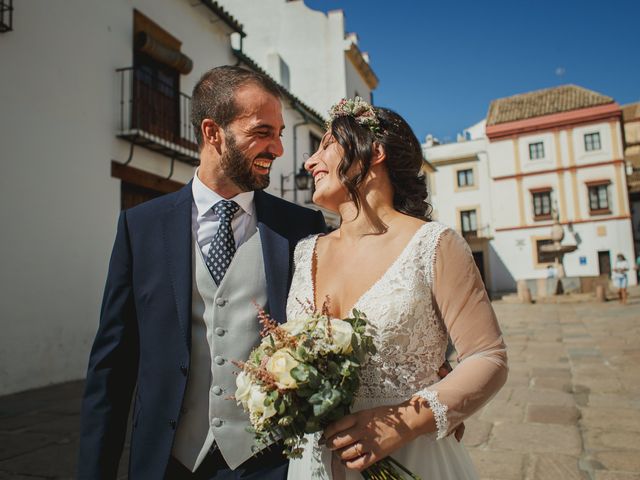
{"x": 59, "y": 94}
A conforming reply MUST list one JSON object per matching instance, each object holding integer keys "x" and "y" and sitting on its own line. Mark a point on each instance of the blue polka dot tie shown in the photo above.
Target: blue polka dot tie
{"x": 223, "y": 245}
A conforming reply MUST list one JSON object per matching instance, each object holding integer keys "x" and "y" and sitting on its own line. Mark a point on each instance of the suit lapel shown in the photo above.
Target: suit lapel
{"x": 275, "y": 250}
{"x": 178, "y": 248}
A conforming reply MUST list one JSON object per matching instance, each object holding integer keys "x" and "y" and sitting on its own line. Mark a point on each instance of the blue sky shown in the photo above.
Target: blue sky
{"x": 441, "y": 63}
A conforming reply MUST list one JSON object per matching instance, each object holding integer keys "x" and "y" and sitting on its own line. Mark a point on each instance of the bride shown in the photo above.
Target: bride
{"x": 416, "y": 281}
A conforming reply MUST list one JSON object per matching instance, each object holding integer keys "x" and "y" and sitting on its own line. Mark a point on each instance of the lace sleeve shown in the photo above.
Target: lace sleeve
{"x": 467, "y": 313}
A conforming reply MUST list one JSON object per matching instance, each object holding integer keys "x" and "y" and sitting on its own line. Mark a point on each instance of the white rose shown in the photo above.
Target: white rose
{"x": 341, "y": 334}
{"x": 257, "y": 406}
{"x": 280, "y": 365}
{"x": 295, "y": 326}
{"x": 243, "y": 384}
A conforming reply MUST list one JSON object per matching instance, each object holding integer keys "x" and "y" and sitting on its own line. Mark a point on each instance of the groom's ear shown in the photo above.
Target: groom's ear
{"x": 211, "y": 133}
{"x": 378, "y": 155}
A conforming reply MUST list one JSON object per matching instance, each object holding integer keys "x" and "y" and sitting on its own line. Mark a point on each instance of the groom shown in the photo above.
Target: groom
{"x": 178, "y": 306}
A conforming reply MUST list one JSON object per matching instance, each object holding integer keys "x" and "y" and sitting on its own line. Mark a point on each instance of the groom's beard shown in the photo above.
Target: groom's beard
{"x": 238, "y": 168}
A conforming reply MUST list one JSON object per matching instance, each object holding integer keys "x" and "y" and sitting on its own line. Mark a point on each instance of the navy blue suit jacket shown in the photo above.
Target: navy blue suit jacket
{"x": 143, "y": 340}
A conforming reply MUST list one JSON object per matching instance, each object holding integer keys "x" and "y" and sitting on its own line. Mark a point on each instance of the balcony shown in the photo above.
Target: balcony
{"x": 479, "y": 234}
{"x": 155, "y": 115}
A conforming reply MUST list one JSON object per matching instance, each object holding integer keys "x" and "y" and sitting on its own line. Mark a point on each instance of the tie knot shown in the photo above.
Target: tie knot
{"x": 226, "y": 209}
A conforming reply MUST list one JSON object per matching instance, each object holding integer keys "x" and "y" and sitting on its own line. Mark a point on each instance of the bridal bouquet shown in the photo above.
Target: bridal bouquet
{"x": 302, "y": 377}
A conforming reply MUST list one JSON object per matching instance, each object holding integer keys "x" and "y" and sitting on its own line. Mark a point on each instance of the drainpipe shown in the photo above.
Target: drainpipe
{"x": 305, "y": 121}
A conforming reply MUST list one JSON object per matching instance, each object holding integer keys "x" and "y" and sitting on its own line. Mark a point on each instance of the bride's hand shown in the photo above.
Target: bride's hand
{"x": 366, "y": 437}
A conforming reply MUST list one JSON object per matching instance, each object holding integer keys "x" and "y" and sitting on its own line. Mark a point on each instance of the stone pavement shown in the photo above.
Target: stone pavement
{"x": 569, "y": 411}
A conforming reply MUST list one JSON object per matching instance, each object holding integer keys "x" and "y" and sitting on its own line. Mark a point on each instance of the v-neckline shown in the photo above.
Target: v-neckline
{"x": 313, "y": 271}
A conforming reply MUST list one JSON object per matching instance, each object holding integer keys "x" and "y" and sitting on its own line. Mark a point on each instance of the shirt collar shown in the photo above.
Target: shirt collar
{"x": 205, "y": 198}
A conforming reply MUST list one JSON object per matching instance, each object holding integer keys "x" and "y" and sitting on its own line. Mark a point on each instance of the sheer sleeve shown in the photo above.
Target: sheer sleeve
{"x": 462, "y": 301}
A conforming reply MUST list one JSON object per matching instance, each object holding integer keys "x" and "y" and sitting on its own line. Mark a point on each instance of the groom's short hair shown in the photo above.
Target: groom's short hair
{"x": 214, "y": 95}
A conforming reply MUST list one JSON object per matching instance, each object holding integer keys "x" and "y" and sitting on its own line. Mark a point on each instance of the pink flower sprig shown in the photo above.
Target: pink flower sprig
{"x": 357, "y": 108}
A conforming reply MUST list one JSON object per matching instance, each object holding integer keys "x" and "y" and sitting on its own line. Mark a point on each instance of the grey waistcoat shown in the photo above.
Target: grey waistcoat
{"x": 224, "y": 327}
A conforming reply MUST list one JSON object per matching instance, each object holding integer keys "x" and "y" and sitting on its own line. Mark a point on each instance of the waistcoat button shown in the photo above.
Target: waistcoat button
{"x": 219, "y": 360}
{"x": 221, "y": 302}
{"x": 216, "y": 422}
{"x": 220, "y": 331}
{"x": 217, "y": 390}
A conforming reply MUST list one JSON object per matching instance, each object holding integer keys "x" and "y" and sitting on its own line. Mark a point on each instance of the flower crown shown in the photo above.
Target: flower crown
{"x": 357, "y": 108}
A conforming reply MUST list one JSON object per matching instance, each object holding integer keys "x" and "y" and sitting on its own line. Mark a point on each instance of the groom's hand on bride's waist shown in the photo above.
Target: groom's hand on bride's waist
{"x": 443, "y": 371}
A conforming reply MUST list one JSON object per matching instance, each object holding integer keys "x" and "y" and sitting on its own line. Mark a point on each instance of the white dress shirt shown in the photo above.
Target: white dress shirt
{"x": 205, "y": 223}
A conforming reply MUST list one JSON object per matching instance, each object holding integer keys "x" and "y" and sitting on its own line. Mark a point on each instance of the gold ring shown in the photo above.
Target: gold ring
{"x": 359, "y": 449}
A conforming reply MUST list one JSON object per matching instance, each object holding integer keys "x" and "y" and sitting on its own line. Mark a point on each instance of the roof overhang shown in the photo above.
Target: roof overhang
{"x": 362, "y": 66}
{"x": 225, "y": 16}
{"x": 553, "y": 121}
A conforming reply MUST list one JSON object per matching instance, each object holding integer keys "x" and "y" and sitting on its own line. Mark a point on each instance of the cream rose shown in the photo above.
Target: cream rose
{"x": 295, "y": 326}
{"x": 280, "y": 365}
{"x": 243, "y": 384}
{"x": 256, "y": 404}
{"x": 341, "y": 334}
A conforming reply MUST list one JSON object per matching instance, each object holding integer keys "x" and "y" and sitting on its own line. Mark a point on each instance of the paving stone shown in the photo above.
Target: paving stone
{"x": 536, "y": 438}
{"x": 66, "y": 425}
{"x": 613, "y": 400}
{"x": 552, "y": 414}
{"x": 523, "y": 396}
{"x": 476, "y": 432}
{"x": 600, "y": 475}
{"x": 40, "y": 399}
{"x": 503, "y": 411}
{"x": 14, "y": 444}
{"x": 19, "y": 422}
{"x": 552, "y": 383}
{"x": 13, "y": 476}
{"x": 561, "y": 467}
{"x": 546, "y": 372}
{"x": 626, "y": 461}
{"x": 498, "y": 465}
{"x": 54, "y": 461}
{"x": 609, "y": 440}
{"x": 625, "y": 419}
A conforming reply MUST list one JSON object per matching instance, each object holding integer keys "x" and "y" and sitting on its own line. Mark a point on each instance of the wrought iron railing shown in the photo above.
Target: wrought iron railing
{"x": 6, "y": 15}
{"x": 154, "y": 114}
{"x": 479, "y": 233}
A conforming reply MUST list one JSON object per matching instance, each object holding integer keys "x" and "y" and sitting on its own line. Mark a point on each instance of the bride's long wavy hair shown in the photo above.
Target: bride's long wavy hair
{"x": 404, "y": 160}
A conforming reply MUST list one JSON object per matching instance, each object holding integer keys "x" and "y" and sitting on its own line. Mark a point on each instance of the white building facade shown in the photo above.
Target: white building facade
{"x": 555, "y": 151}
{"x": 95, "y": 118}
{"x": 311, "y": 54}
{"x": 460, "y": 193}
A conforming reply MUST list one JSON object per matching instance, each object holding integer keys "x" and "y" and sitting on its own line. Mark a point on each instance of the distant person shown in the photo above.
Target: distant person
{"x": 637, "y": 267}
{"x": 619, "y": 277}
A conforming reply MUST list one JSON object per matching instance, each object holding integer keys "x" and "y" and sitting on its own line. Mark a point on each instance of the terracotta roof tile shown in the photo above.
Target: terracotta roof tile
{"x": 543, "y": 102}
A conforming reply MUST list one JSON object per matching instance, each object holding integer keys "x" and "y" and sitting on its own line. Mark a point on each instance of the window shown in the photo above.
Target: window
{"x": 544, "y": 257}
{"x": 536, "y": 150}
{"x": 155, "y": 98}
{"x": 541, "y": 204}
{"x": 599, "y": 198}
{"x": 465, "y": 178}
{"x": 592, "y": 142}
{"x": 468, "y": 222}
{"x": 314, "y": 143}
{"x": 6, "y": 15}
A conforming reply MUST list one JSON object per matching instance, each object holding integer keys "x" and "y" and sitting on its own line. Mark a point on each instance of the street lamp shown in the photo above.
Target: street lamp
{"x": 302, "y": 181}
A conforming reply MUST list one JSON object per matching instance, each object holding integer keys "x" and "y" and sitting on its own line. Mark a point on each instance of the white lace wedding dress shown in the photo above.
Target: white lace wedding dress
{"x": 432, "y": 289}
